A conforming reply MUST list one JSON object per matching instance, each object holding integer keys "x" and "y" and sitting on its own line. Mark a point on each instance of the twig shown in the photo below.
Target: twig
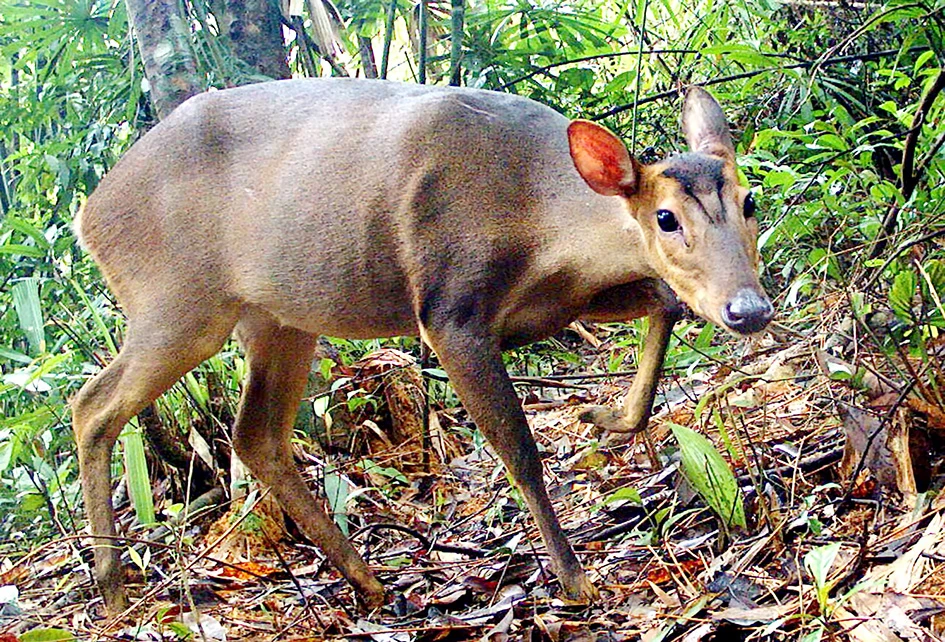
{"x": 388, "y": 36}
{"x": 425, "y": 541}
{"x": 295, "y": 581}
{"x": 751, "y": 74}
{"x": 329, "y": 58}
{"x": 639, "y": 83}
{"x": 812, "y": 462}
{"x": 910, "y": 177}
{"x": 546, "y": 383}
{"x": 617, "y": 54}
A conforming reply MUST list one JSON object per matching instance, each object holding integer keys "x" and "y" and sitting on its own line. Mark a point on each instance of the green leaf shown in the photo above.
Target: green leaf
{"x": 935, "y": 269}
{"x": 370, "y": 466}
{"x": 199, "y": 393}
{"x": 814, "y": 636}
{"x": 336, "y": 490}
{"x": 7, "y": 451}
{"x": 708, "y": 473}
{"x": 30, "y": 313}
{"x": 324, "y": 367}
{"x": 704, "y": 340}
{"x": 819, "y": 562}
{"x": 902, "y": 292}
{"x": 739, "y": 53}
{"x": 22, "y": 250}
{"x": 832, "y": 141}
{"x": 576, "y": 78}
{"x": 141, "y": 561}
{"x": 320, "y": 405}
{"x": 47, "y": 635}
{"x": 13, "y": 355}
{"x": 29, "y": 230}
{"x": 96, "y": 317}
{"x": 139, "y": 482}
{"x": 181, "y": 630}
{"x": 624, "y": 494}
{"x": 839, "y": 371}
{"x": 780, "y": 178}
{"x": 923, "y": 58}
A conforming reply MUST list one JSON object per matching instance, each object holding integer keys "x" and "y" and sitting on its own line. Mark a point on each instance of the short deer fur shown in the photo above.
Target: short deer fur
{"x": 362, "y": 209}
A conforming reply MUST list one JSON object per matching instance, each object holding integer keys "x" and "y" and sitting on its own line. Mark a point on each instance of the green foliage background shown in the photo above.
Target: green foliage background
{"x": 823, "y": 96}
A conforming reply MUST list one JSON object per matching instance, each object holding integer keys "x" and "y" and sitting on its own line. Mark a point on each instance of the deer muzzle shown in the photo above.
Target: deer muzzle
{"x": 748, "y": 311}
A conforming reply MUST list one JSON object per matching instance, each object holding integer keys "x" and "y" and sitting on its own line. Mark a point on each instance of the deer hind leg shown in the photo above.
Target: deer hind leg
{"x": 155, "y": 355}
{"x": 655, "y": 300}
{"x": 279, "y": 359}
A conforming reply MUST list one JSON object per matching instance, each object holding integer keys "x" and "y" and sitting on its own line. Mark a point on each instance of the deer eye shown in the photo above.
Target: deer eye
{"x": 749, "y": 206}
{"x": 667, "y": 221}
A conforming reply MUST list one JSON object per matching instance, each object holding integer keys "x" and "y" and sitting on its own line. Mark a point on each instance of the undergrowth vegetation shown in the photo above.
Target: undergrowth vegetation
{"x": 838, "y": 118}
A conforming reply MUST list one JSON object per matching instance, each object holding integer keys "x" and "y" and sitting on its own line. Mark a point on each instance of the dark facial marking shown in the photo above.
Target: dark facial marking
{"x": 697, "y": 174}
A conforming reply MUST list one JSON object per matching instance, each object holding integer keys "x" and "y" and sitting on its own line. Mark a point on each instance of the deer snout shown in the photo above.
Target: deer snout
{"x": 747, "y": 311}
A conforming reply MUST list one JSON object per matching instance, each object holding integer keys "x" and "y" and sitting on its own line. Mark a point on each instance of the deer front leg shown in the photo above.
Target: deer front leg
{"x": 656, "y": 300}
{"x": 474, "y": 364}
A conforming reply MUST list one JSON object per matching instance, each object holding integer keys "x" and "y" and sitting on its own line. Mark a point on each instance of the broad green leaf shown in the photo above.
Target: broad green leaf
{"x": 30, "y": 313}
{"x": 29, "y": 230}
{"x": 920, "y": 61}
{"x": 13, "y": 355}
{"x": 839, "y": 371}
{"x": 141, "y": 561}
{"x": 707, "y": 472}
{"x": 780, "y": 178}
{"x": 7, "y": 451}
{"x": 370, "y": 466}
{"x": 198, "y": 392}
{"x": 624, "y": 494}
{"x": 832, "y": 141}
{"x": 704, "y": 340}
{"x": 336, "y": 490}
{"x": 320, "y": 405}
{"x": 47, "y": 635}
{"x": 22, "y": 250}
{"x": 139, "y": 481}
{"x": 902, "y": 292}
{"x": 935, "y": 269}
{"x": 324, "y": 367}
{"x": 819, "y": 562}
{"x": 740, "y": 53}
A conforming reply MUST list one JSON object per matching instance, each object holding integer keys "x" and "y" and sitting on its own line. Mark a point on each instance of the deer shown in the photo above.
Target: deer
{"x": 481, "y": 221}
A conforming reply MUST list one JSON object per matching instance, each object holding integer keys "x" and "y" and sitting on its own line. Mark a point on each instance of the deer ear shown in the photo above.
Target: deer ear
{"x": 602, "y": 159}
{"x": 704, "y": 125}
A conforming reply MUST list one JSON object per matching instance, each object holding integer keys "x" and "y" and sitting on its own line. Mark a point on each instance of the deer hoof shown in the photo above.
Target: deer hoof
{"x": 580, "y": 590}
{"x": 610, "y": 420}
{"x": 373, "y": 598}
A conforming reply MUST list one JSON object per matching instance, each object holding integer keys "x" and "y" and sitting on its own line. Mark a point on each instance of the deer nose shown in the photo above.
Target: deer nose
{"x": 747, "y": 312}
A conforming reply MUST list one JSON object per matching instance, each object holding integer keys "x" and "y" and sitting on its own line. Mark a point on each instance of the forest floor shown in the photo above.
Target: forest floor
{"x": 822, "y": 557}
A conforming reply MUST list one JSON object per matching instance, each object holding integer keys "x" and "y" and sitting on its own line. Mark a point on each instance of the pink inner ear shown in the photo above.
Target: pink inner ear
{"x": 601, "y": 158}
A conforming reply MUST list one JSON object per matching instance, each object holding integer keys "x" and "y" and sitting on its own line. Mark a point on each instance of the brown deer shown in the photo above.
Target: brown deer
{"x": 363, "y": 209}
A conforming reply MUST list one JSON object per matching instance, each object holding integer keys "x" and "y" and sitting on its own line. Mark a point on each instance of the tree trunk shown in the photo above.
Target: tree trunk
{"x": 164, "y": 43}
{"x": 457, "y": 18}
{"x": 424, "y": 23}
{"x": 255, "y": 29}
{"x": 367, "y": 57}
{"x": 388, "y": 37}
